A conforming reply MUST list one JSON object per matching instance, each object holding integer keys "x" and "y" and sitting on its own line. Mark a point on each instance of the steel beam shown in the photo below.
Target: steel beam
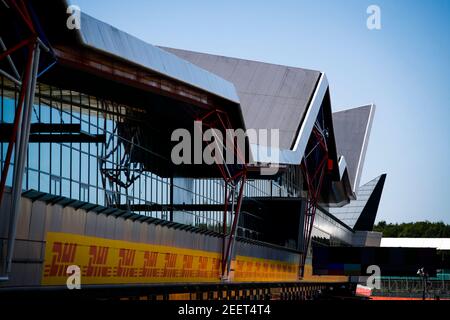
{"x": 8, "y": 57}
{"x": 17, "y": 119}
{"x": 217, "y": 118}
{"x": 233, "y": 232}
{"x": 314, "y": 175}
{"x": 10, "y": 77}
{"x": 19, "y": 167}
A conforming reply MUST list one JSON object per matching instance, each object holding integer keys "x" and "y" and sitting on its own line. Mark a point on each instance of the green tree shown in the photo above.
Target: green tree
{"x": 420, "y": 229}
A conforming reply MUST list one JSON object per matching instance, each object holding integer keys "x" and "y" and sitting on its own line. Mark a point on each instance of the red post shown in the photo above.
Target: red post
{"x": 314, "y": 187}
{"x": 17, "y": 117}
{"x": 221, "y": 119}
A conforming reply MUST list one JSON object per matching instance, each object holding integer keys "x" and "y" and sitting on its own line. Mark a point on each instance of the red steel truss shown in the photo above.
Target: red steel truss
{"x": 314, "y": 171}
{"x": 18, "y": 114}
{"x": 21, "y": 127}
{"x": 234, "y": 182}
{"x": 21, "y": 10}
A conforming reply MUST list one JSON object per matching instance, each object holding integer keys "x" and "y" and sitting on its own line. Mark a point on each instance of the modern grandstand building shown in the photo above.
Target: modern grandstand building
{"x": 86, "y": 124}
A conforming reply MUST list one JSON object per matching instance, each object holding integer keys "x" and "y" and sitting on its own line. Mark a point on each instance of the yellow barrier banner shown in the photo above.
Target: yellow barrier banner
{"x": 106, "y": 261}
{"x": 256, "y": 269}
{"x": 309, "y": 277}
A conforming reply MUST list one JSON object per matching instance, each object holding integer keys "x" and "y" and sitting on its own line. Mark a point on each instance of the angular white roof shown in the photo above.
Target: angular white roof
{"x": 104, "y": 37}
{"x": 271, "y": 96}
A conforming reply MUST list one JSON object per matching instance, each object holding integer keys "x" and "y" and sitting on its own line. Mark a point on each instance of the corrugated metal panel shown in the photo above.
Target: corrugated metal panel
{"x": 23, "y": 225}
{"x": 160, "y": 239}
{"x": 36, "y": 250}
{"x": 35, "y": 273}
{"x": 128, "y": 229}
{"x": 37, "y": 221}
{"x": 57, "y": 219}
{"x": 19, "y": 274}
{"x": 180, "y": 238}
{"x": 55, "y": 216}
{"x": 151, "y": 235}
{"x": 169, "y": 236}
{"x": 21, "y": 249}
{"x": 104, "y": 37}
{"x": 5, "y": 211}
{"x": 143, "y": 232}
{"x": 91, "y": 223}
{"x": 73, "y": 221}
{"x": 100, "y": 226}
{"x": 110, "y": 227}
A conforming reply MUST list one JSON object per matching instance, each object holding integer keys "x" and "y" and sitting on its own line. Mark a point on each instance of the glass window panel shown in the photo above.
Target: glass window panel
{"x": 44, "y": 157}
{"x": 85, "y": 120}
{"x": 35, "y": 114}
{"x": 85, "y": 147}
{"x": 33, "y": 180}
{"x": 56, "y": 159}
{"x": 92, "y": 121}
{"x": 75, "y": 114}
{"x": 84, "y": 168}
{"x": 44, "y": 182}
{"x": 101, "y": 121}
{"x": 99, "y": 175}
{"x": 75, "y": 165}
{"x": 65, "y": 162}
{"x": 44, "y": 115}
{"x": 56, "y": 116}
{"x": 75, "y": 191}
{"x": 92, "y": 195}
{"x": 84, "y": 192}
{"x": 10, "y": 175}
{"x": 101, "y": 197}
{"x": 24, "y": 182}
{"x": 8, "y": 110}
{"x": 93, "y": 170}
{"x": 65, "y": 116}
{"x": 93, "y": 149}
{"x": 65, "y": 188}
{"x": 33, "y": 156}
{"x": 55, "y": 185}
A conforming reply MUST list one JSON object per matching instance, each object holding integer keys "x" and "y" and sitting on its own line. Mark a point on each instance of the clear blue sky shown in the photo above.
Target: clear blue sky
{"x": 404, "y": 69}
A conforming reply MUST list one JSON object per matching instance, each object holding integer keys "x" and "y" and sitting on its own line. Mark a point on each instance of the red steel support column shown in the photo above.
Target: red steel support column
{"x": 314, "y": 178}
{"x": 233, "y": 231}
{"x": 17, "y": 118}
{"x": 221, "y": 120}
{"x": 20, "y": 8}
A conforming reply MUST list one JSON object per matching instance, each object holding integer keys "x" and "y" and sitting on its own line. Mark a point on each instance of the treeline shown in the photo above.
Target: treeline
{"x": 421, "y": 229}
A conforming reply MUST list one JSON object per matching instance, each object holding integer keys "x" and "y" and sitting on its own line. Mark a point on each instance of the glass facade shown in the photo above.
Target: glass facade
{"x": 104, "y": 173}
{"x": 329, "y": 231}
